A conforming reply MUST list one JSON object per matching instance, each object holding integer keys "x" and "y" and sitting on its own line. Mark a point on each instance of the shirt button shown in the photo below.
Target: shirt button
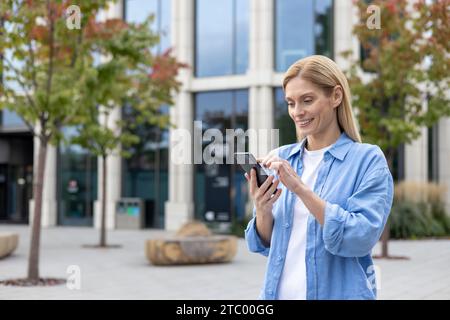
{"x": 270, "y": 292}
{"x": 286, "y": 225}
{"x": 280, "y": 258}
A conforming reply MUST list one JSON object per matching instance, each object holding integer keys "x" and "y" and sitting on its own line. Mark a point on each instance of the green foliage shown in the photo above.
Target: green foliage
{"x": 238, "y": 227}
{"x": 45, "y": 64}
{"x": 418, "y": 220}
{"x": 56, "y": 76}
{"x": 406, "y": 63}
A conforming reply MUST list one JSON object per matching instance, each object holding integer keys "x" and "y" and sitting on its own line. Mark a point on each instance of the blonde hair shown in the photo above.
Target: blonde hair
{"x": 325, "y": 73}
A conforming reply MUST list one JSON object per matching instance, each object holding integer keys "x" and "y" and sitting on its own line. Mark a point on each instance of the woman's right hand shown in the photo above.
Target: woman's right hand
{"x": 263, "y": 197}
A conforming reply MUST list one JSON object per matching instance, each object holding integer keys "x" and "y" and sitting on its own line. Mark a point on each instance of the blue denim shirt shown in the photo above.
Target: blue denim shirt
{"x": 355, "y": 181}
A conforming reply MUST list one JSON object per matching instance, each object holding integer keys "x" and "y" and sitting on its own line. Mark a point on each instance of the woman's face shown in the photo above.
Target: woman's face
{"x": 312, "y": 111}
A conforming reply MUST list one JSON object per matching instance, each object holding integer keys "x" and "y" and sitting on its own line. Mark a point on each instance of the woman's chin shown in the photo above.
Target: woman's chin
{"x": 303, "y": 132}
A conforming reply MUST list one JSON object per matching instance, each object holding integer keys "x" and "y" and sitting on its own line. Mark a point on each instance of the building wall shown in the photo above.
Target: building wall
{"x": 260, "y": 80}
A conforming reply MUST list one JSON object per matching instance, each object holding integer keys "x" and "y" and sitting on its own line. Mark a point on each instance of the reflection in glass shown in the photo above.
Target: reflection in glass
{"x": 221, "y": 37}
{"x": 138, "y": 10}
{"x": 220, "y": 189}
{"x": 145, "y": 173}
{"x": 283, "y": 121}
{"x": 10, "y": 119}
{"x": 302, "y": 28}
{"x": 77, "y": 182}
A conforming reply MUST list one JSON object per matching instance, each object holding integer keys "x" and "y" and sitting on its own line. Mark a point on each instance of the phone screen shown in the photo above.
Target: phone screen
{"x": 247, "y": 161}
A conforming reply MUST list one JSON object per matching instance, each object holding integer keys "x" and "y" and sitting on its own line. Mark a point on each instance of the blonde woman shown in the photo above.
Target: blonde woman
{"x": 333, "y": 199}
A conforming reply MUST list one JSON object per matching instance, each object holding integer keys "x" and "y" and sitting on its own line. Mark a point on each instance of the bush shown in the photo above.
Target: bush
{"x": 417, "y": 220}
{"x": 238, "y": 227}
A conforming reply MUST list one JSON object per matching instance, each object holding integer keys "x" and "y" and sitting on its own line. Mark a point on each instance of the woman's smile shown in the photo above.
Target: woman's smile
{"x": 304, "y": 122}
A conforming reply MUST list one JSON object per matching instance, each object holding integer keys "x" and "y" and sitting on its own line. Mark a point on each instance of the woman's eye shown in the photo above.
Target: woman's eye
{"x": 307, "y": 101}
{"x": 290, "y": 104}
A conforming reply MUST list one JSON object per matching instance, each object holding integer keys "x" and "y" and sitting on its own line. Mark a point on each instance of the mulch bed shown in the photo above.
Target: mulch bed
{"x": 42, "y": 282}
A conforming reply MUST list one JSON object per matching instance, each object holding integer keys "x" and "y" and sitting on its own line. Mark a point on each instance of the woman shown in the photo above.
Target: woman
{"x": 335, "y": 194}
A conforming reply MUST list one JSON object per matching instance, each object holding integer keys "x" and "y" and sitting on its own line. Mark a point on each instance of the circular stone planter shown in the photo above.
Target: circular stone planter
{"x": 8, "y": 243}
{"x": 191, "y": 250}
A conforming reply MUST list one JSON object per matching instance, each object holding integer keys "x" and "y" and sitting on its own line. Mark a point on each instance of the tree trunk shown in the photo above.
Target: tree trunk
{"x": 103, "y": 214}
{"x": 33, "y": 260}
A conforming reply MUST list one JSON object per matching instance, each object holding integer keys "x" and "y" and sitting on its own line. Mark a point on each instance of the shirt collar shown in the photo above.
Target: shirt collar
{"x": 338, "y": 150}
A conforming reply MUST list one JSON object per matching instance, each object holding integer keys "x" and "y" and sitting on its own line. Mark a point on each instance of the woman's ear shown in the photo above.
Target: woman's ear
{"x": 337, "y": 96}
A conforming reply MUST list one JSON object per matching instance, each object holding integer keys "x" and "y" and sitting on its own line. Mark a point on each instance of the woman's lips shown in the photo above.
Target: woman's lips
{"x": 305, "y": 122}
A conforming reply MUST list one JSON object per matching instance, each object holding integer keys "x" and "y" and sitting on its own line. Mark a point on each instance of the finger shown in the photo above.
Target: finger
{"x": 272, "y": 159}
{"x": 246, "y": 176}
{"x": 264, "y": 187}
{"x": 268, "y": 160}
{"x": 253, "y": 184}
{"x": 271, "y": 190}
{"x": 275, "y": 197}
{"x": 275, "y": 166}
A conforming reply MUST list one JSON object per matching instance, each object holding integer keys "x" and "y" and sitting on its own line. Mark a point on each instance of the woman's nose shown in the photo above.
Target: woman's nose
{"x": 298, "y": 110}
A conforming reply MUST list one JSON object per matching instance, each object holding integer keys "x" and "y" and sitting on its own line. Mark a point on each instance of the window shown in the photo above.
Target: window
{"x": 302, "y": 28}
{"x": 10, "y": 119}
{"x": 77, "y": 182}
{"x": 433, "y": 154}
{"x": 145, "y": 173}
{"x": 138, "y": 10}
{"x": 220, "y": 189}
{"x": 221, "y": 37}
{"x": 282, "y": 120}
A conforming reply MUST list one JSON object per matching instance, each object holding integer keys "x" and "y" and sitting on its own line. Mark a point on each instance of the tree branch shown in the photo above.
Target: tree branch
{"x": 33, "y": 70}
{"x": 51, "y": 53}
{"x": 23, "y": 86}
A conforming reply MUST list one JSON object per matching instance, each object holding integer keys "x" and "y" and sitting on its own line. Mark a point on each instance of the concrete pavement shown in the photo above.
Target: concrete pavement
{"x": 125, "y": 273}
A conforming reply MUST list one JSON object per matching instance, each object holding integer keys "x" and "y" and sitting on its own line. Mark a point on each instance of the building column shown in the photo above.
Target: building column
{"x": 416, "y": 162}
{"x": 345, "y": 16}
{"x": 49, "y": 201}
{"x": 261, "y": 100}
{"x": 179, "y": 209}
{"x": 444, "y": 156}
{"x": 114, "y": 162}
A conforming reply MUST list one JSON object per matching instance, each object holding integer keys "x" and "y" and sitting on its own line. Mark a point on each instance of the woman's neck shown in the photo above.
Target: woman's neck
{"x": 323, "y": 139}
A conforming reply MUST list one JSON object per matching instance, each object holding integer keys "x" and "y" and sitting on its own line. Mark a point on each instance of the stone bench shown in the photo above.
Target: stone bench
{"x": 193, "y": 244}
{"x": 8, "y": 243}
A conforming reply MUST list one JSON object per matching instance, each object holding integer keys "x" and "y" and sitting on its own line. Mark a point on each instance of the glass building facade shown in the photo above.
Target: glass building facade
{"x": 302, "y": 28}
{"x": 145, "y": 173}
{"x": 76, "y": 183}
{"x": 221, "y": 37}
{"x": 220, "y": 188}
{"x": 282, "y": 120}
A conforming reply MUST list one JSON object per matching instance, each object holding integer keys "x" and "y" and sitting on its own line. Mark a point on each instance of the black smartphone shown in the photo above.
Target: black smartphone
{"x": 247, "y": 161}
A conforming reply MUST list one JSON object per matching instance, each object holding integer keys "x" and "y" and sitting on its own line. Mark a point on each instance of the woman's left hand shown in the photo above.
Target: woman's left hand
{"x": 285, "y": 172}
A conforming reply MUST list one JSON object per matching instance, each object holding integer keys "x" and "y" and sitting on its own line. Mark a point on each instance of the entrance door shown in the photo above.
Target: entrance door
{"x": 3, "y": 193}
{"x": 15, "y": 192}
{"x": 16, "y": 177}
{"x": 220, "y": 189}
{"x": 77, "y": 184}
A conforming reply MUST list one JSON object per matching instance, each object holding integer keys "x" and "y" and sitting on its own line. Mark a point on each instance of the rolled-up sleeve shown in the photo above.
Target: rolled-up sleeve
{"x": 254, "y": 242}
{"x": 354, "y": 231}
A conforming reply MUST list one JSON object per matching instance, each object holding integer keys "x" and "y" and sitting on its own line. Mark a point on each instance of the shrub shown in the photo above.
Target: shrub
{"x": 419, "y": 211}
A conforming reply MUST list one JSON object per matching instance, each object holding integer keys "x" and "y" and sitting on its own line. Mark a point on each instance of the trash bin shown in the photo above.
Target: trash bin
{"x": 130, "y": 213}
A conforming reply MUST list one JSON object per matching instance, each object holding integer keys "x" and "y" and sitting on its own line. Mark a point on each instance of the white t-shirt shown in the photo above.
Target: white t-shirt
{"x": 293, "y": 278}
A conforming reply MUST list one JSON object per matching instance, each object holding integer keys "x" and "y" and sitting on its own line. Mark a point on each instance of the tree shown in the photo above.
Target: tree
{"x": 50, "y": 75}
{"x": 126, "y": 79}
{"x": 401, "y": 83}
